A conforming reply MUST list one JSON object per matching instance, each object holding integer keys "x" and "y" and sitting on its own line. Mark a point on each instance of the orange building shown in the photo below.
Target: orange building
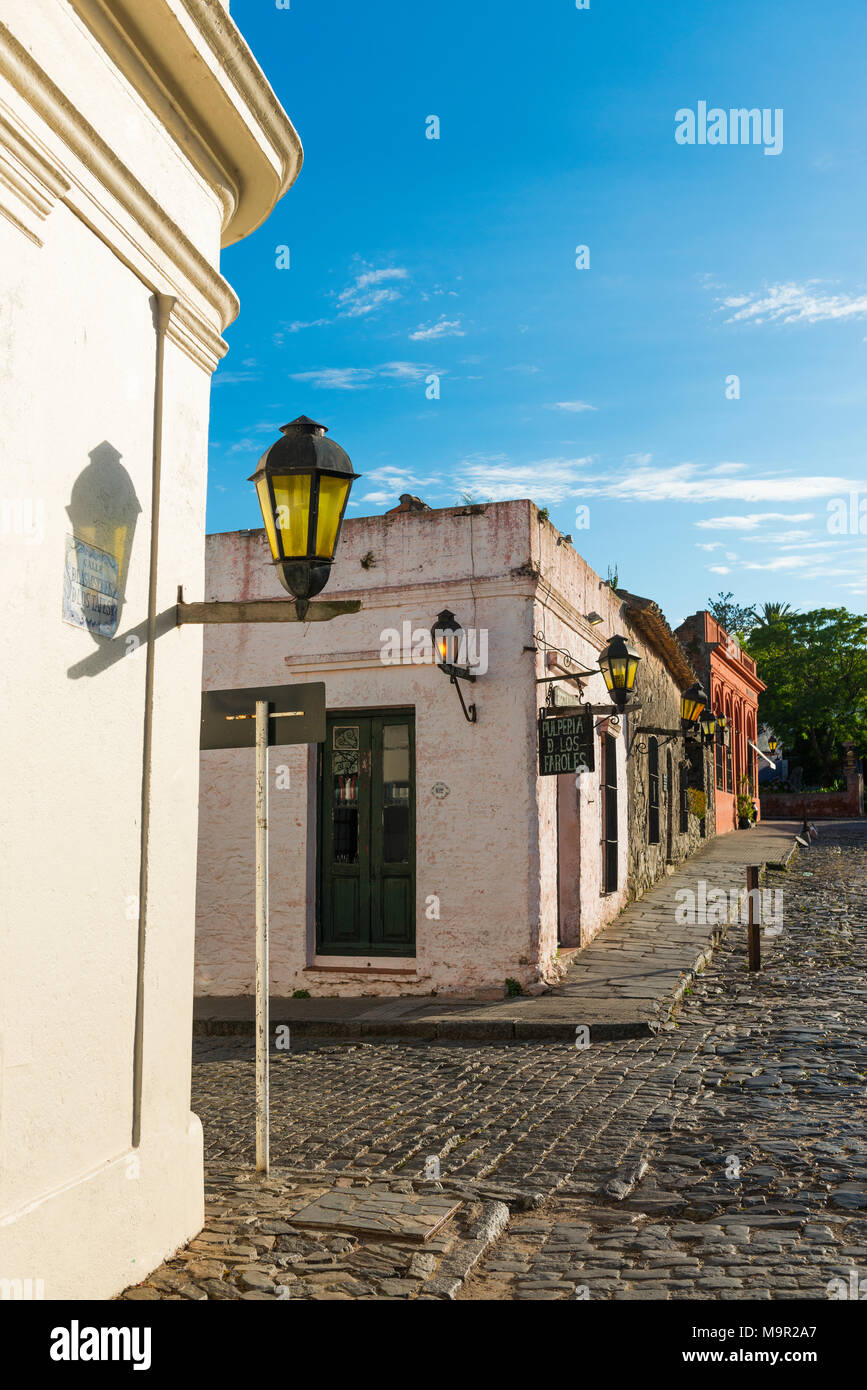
{"x": 729, "y": 677}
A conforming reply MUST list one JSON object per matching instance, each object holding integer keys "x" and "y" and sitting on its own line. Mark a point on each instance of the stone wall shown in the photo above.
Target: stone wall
{"x": 817, "y": 805}
{"x": 660, "y": 701}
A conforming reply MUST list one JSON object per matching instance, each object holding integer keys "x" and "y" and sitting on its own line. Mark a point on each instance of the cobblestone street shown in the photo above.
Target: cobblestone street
{"x": 723, "y": 1158}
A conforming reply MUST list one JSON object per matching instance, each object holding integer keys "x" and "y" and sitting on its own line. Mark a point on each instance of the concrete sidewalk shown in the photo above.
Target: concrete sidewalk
{"x": 622, "y": 985}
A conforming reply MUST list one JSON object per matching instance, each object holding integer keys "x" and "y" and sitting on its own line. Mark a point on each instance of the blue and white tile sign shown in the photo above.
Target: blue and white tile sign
{"x": 90, "y": 585}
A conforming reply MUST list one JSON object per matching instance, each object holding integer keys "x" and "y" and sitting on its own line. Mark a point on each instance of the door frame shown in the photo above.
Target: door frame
{"x": 377, "y": 951}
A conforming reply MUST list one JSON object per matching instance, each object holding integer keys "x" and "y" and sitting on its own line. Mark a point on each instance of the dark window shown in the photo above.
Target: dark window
{"x": 720, "y": 761}
{"x": 684, "y": 801}
{"x": 653, "y": 786}
{"x": 609, "y": 866}
{"x": 729, "y": 739}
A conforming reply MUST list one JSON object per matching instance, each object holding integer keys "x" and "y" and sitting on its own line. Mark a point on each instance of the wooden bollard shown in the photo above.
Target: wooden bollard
{"x": 753, "y": 928}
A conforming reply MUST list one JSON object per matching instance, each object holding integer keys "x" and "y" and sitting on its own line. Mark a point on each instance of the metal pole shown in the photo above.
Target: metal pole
{"x": 262, "y": 1001}
{"x": 753, "y": 939}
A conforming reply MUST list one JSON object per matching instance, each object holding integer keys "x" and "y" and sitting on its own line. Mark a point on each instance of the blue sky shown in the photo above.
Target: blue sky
{"x": 602, "y": 387}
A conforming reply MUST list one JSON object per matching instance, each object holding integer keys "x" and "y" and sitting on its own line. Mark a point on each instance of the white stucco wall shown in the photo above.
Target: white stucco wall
{"x": 89, "y": 193}
{"x": 467, "y": 845}
{"x": 571, "y": 591}
{"x": 489, "y": 850}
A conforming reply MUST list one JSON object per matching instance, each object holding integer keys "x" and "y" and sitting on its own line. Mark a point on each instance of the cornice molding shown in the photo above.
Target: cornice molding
{"x": 30, "y": 182}
{"x": 50, "y": 181}
{"x": 112, "y": 38}
{"x": 188, "y": 61}
{"x": 189, "y": 331}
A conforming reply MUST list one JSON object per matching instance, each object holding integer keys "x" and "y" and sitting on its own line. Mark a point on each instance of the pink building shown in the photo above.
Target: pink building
{"x": 730, "y": 678}
{"x": 415, "y": 851}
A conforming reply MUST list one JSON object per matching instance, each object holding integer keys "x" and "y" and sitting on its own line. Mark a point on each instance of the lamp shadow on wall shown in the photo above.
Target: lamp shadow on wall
{"x": 103, "y": 512}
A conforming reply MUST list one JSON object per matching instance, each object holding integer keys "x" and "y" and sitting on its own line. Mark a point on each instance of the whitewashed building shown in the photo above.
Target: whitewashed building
{"x": 137, "y": 137}
{"x": 416, "y": 851}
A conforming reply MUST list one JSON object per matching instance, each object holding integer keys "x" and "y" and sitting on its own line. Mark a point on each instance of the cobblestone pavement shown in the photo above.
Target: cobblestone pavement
{"x": 760, "y": 1187}
{"x": 723, "y": 1158}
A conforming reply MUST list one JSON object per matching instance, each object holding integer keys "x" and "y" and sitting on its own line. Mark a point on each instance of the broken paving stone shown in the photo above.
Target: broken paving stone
{"x": 398, "y": 1288}
{"x": 250, "y": 1277}
{"x": 421, "y": 1266}
{"x": 205, "y": 1269}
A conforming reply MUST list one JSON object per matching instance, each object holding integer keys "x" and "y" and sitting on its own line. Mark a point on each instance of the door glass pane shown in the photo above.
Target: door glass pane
{"x": 344, "y": 793}
{"x": 395, "y": 794}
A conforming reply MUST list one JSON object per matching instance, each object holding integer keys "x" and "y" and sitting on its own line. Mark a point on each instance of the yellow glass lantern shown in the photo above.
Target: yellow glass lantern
{"x": 692, "y": 702}
{"x": 303, "y": 483}
{"x": 618, "y": 663}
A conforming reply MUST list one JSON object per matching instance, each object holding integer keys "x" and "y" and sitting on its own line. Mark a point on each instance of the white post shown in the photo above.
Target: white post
{"x": 262, "y": 982}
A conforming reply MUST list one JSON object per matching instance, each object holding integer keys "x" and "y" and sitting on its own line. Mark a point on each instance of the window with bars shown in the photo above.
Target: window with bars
{"x": 653, "y": 790}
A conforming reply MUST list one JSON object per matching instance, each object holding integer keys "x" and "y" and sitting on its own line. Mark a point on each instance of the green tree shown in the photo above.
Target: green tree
{"x": 771, "y": 613}
{"x": 815, "y": 667}
{"x": 737, "y": 620}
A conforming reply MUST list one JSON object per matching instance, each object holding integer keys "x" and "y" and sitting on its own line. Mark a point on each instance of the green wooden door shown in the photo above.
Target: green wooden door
{"x": 367, "y": 836}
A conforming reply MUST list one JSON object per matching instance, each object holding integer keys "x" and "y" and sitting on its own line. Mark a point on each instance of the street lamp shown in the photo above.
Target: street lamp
{"x": 773, "y": 743}
{"x": 692, "y": 702}
{"x": 446, "y": 636}
{"x": 707, "y": 723}
{"x": 303, "y": 482}
{"x": 618, "y": 663}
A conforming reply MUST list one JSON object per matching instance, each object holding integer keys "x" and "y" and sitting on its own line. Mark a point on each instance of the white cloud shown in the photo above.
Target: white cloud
{"x": 443, "y": 328}
{"x": 687, "y": 482}
{"x": 297, "y": 325}
{"x": 750, "y": 522}
{"x": 719, "y": 569}
{"x": 546, "y": 480}
{"x": 370, "y": 290}
{"x": 574, "y": 406}
{"x": 407, "y": 371}
{"x": 336, "y": 378}
{"x": 783, "y": 562}
{"x": 378, "y": 499}
{"x": 779, "y": 538}
{"x": 232, "y": 378}
{"x": 397, "y": 478}
{"x": 357, "y": 378}
{"x": 793, "y": 303}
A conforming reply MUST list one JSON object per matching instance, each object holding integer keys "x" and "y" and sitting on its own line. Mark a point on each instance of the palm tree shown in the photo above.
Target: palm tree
{"x": 772, "y": 613}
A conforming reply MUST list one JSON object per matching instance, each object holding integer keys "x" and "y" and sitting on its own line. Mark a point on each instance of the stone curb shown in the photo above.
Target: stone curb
{"x": 454, "y": 1268}
{"x": 458, "y": 1030}
{"x": 501, "y": 1029}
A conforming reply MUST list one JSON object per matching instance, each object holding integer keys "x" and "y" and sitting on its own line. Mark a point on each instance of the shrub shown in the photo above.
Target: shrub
{"x": 697, "y": 802}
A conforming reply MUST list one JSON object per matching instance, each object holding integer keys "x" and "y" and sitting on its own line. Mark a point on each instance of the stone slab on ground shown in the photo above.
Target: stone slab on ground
{"x": 624, "y": 984}
{"x": 252, "y": 1247}
{"x": 408, "y": 1215}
